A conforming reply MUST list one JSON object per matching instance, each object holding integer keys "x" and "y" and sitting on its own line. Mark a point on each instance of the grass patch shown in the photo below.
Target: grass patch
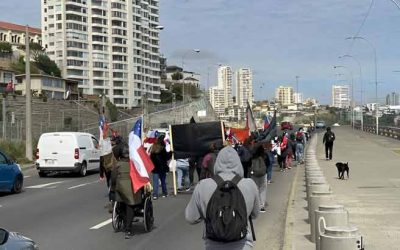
{"x": 15, "y": 150}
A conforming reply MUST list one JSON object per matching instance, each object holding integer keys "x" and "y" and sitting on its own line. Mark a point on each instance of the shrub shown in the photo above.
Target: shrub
{"x": 15, "y": 150}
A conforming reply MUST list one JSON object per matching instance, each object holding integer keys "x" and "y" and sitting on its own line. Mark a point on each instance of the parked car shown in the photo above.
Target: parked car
{"x": 11, "y": 177}
{"x": 286, "y": 125}
{"x": 15, "y": 241}
{"x": 67, "y": 152}
{"x": 320, "y": 124}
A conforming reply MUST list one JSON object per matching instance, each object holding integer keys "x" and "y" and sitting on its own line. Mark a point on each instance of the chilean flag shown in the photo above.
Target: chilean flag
{"x": 266, "y": 122}
{"x": 151, "y": 137}
{"x": 140, "y": 162}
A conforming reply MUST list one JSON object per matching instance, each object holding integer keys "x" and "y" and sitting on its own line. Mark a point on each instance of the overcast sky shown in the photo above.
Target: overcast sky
{"x": 277, "y": 39}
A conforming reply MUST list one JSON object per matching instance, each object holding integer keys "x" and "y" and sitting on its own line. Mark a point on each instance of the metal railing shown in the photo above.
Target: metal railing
{"x": 392, "y": 132}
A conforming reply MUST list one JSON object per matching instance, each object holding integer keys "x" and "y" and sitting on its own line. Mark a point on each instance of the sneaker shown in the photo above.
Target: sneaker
{"x": 155, "y": 197}
{"x": 165, "y": 195}
{"x": 188, "y": 189}
{"x": 110, "y": 207}
{"x": 269, "y": 182}
{"x": 128, "y": 234}
{"x": 262, "y": 210}
{"x": 179, "y": 190}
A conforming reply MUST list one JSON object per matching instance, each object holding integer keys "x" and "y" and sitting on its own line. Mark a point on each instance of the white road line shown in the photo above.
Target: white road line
{"x": 45, "y": 185}
{"x": 83, "y": 184}
{"x": 100, "y": 225}
{"x": 27, "y": 176}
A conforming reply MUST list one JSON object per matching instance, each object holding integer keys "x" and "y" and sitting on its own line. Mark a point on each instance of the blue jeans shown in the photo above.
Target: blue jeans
{"x": 162, "y": 177}
{"x": 299, "y": 152}
{"x": 269, "y": 166}
{"x": 183, "y": 172}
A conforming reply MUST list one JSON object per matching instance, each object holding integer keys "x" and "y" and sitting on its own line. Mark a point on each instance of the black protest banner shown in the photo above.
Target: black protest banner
{"x": 194, "y": 139}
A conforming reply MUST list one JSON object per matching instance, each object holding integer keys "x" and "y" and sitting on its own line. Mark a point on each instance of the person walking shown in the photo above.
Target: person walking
{"x": 182, "y": 170}
{"x": 258, "y": 172}
{"x": 269, "y": 160}
{"x": 245, "y": 155}
{"x": 228, "y": 172}
{"x": 329, "y": 138}
{"x": 160, "y": 158}
{"x": 207, "y": 166}
{"x": 300, "y": 143}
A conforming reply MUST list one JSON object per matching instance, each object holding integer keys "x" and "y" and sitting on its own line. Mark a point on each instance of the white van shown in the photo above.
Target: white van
{"x": 67, "y": 152}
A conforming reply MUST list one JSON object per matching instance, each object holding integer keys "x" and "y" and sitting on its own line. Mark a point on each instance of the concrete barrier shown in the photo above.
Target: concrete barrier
{"x": 339, "y": 238}
{"x": 334, "y": 215}
{"x": 317, "y": 199}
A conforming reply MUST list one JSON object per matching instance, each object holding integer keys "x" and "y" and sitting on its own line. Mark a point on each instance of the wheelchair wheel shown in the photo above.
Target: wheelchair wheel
{"x": 148, "y": 219}
{"x": 117, "y": 217}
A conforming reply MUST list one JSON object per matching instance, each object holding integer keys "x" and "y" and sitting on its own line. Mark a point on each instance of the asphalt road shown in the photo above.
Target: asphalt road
{"x": 60, "y": 212}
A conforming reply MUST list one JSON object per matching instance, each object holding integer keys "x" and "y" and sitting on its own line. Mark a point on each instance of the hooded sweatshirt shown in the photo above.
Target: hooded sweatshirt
{"x": 227, "y": 165}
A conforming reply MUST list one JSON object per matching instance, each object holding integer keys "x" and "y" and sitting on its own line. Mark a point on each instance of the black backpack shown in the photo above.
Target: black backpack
{"x": 226, "y": 218}
{"x": 258, "y": 167}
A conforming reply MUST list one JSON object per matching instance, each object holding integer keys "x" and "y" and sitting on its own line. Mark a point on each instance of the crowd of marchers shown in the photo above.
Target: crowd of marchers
{"x": 229, "y": 183}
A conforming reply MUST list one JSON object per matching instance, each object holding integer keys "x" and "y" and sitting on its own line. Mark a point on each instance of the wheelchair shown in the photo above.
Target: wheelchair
{"x": 143, "y": 210}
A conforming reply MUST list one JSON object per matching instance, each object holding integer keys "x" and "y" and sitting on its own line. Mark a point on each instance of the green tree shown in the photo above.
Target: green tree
{"x": 19, "y": 66}
{"x": 35, "y": 49}
{"x": 5, "y": 48}
{"x": 45, "y": 64}
{"x": 166, "y": 96}
{"x": 112, "y": 110}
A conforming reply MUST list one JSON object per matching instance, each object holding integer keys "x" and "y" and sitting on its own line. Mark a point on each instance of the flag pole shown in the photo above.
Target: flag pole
{"x": 223, "y": 133}
{"x": 142, "y": 130}
{"x": 173, "y": 159}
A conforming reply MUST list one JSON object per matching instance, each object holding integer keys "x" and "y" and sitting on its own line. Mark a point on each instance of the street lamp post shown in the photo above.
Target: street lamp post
{"x": 352, "y": 93}
{"x": 183, "y": 65}
{"x": 361, "y": 87}
{"x": 376, "y": 77}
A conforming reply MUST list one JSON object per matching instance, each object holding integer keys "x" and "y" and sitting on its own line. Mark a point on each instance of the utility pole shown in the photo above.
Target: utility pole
{"x": 28, "y": 111}
{"x": 297, "y": 92}
{"x": 4, "y": 117}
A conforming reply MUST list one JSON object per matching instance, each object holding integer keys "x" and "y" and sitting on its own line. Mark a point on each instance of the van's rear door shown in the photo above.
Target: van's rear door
{"x": 57, "y": 150}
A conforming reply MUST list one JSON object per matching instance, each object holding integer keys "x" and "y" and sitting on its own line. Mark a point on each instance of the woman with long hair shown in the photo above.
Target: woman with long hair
{"x": 160, "y": 158}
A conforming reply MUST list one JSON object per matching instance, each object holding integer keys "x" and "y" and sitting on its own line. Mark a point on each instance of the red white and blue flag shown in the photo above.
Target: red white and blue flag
{"x": 140, "y": 162}
{"x": 151, "y": 137}
{"x": 267, "y": 122}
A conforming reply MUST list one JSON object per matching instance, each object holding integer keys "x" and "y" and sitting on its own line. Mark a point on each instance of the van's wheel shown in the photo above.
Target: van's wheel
{"x": 17, "y": 187}
{"x": 42, "y": 174}
{"x": 83, "y": 170}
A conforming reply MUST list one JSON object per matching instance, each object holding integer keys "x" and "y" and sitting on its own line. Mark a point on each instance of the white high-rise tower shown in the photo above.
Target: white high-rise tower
{"x": 244, "y": 87}
{"x": 225, "y": 83}
{"x": 110, "y": 46}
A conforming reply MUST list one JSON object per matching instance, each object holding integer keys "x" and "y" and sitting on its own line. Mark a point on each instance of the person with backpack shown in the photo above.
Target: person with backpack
{"x": 226, "y": 203}
{"x": 258, "y": 172}
{"x": 329, "y": 138}
{"x": 300, "y": 143}
{"x": 245, "y": 156}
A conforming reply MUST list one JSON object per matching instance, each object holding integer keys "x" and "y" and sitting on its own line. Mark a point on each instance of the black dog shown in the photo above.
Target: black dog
{"x": 341, "y": 168}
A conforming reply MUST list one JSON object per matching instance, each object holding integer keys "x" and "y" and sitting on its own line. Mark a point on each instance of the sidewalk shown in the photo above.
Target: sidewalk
{"x": 371, "y": 195}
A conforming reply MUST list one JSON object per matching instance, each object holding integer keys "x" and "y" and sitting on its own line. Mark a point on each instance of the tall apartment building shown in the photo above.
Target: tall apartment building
{"x": 340, "y": 96}
{"x": 216, "y": 97}
{"x": 225, "y": 82}
{"x": 393, "y": 99}
{"x": 244, "y": 87}
{"x": 110, "y": 46}
{"x": 298, "y": 97}
{"x": 284, "y": 95}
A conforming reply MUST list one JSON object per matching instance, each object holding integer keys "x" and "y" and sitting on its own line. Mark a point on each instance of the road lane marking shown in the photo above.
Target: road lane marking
{"x": 83, "y": 184}
{"x": 102, "y": 224}
{"x": 45, "y": 185}
{"x": 27, "y": 176}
